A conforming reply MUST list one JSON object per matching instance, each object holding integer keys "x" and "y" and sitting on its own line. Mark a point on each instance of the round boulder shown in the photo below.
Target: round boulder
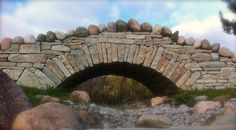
{"x": 80, "y": 96}
{"x": 197, "y": 43}
{"x": 29, "y": 39}
{"x": 18, "y": 40}
{"x": 6, "y": 43}
{"x": 41, "y": 38}
{"x": 70, "y": 33}
{"x": 225, "y": 52}
{"x": 174, "y": 36}
{"x": 205, "y": 44}
{"x": 157, "y": 29}
{"x": 60, "y": 35}
{"x": 234, "y": 57}
{"x": 215, "y": 47}
{"x": 189, "y": 41}
{"x": 93, "y": 30}
{"x": 121, "y": 26}
{"x": 154, "y": 121}
{"x": 48, "y": 116}
{"x": 81, "y": 31}
{"x": 51, "y": 37}
{"x": 134, "y": 25}
{"x": 102, "y": 28}
{"x": 146, "y": 27}
{"x": 111, "y": 27}
{"x": 166, "y": 32}
{"x": 181, "y": 40}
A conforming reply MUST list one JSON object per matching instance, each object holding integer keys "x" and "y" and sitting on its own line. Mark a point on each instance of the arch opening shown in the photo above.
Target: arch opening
{"x": 153, "y": 80}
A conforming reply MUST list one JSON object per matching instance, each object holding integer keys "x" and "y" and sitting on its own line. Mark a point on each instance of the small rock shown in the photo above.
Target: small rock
{"x": 154, "y": 121}
{"x": 60, "y": 35}
{"x": 200, "y": 98}
{"x": 87, "y": 118}
{"x": 70, "y": 33}
{"x": 102, "y": 28}
{"x": 51, "y": 37}
{"x": 111, "y": 27}
{"x": 181, "y": 40}
{"x": 121, "y": 26}
{"x": 18, "y": 40}
{"x": 205, "y": 44}
{"x": 215, "y": 56}
{"x": 134, "y": 26}
{"x": 225, "y": 52}
{"x": 215, "y": 47}
{"x": 204, "y": 106}
{"x": 175, "y": 36}
{"x": 157, "y": 29}
{"x": 166, "y": 32}
{"x": 197, "y": 43}
{"x": 189, "y": 41}
{"x": 81, "y": 32}
{"x": 146, "y": 27}
{"x": 46, "y": 99}
{"x": 41, "y": 38}
{"x": 6, "y": 43}
{"x": 80, "y": 96}
{"x": 29, "y": 39}
{"x": 201, "y": 57}
{"x": 93, "y": 30}
{"x": 158, "y": 100}
{"x": 48, "y": 116}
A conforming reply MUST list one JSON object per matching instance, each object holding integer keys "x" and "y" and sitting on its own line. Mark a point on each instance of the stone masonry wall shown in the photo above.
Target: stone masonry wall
{"x": 49, "y": 59}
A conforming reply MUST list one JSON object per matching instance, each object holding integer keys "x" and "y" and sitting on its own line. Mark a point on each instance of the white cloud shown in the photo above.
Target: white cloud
{"x": 209, "y": 28}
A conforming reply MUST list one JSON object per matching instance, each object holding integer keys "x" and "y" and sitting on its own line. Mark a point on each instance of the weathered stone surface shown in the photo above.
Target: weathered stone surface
{"x": 157, "y": 58}
{"x": 121, "y": 26}
{"x": 93, "y": 30}
{"x": 47, "y": 99}
{"x": 197, "y": 43}
{"x": 195, "y": 75}
{"x": 49, "y": 116}
{"x": 158, "y": 100}
{"x": 174, "y": 36}
{"x": 146, "y": 27}
{"x": 41, "y": 38}
{"x": 225, "y": 52}
{"x": 30, "y": 79}
{"x": 227, "y": 72}
{"x": 203, "y": 106}
{"x": 51, "y": 37}
{"x": 13, "y": 73}
{"x": 111, "y": 27}
{"x": 205, "y": 44}
{"x": 134, "y": 26}
{"x": 157, "y": 29}
{"x": 154, "y": 121}
{"x": 215, "y": 47}
{"x": 91, "y": 41}
{"x": 61, "y": 48}
{"x": 38, "y": 58}
{"x": 5, "y": 43}
{"x": 215, "y": 56}
{"x": 201, "y": 57}
{"x": 189, "y": 41}
{"x": 44, "y": 79}
{"x": 102, "y": 28}
{"x": 24, "y": 64}
{"x": 53, "y": 75}
{"x": 80, "y": 96}
{"x": 29, "y": 48}
{"x": 29, "y": 39}
{"x": 70, "y": 33}
{"x": 141, "y": 55}
{"x": 60, "y": 35}
{"x": 18, "y": 40}
{"x": 234, "y": 57}
{"x": 181, "y": 40}
{"x": 94, "y": 54}
{"x": 62, "y": 67}
{"x": 166, "y": 32}
{"x": 66, "y": 63}
{"x": 81, "y": 32}
{"x": 135, "y": 36}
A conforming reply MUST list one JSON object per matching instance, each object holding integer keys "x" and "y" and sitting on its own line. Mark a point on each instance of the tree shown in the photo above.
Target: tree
{"x": 229, "y": 26}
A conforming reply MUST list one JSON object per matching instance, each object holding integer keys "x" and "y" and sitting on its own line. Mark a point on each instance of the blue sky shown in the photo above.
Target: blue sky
{"x": 196, "y": 18}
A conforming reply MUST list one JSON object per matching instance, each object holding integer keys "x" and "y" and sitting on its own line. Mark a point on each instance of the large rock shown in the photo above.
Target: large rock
{"x": 80, "y": 96}
{"x": 189, "y": 41}
{"x": 111, "y": 27}
{"x": 166, "y": 32}
{"x": 121, "y": 26}
{"x": 81, "y": 32}
{"x": 181, "y": 40}
{"x": 201, "y": 57}
{"x": 6, "y": 43}
{"x": 18, "y": 40}
{"x": 51, "y": 37}
{"x": 102, "y": 28}
{"x": 60, "y": 35}
{"x": 205, "y": 44}
{"x": 146, "y": 27}
{"x": 49, "y": 116}
{"x": 174, "y": 36}
{"x": 93, "y": 30}
{"x": 154, "y": 121}
{"x": 41, "y": 38}
{"x": 204, "y": 106}
{"x": 29, "y": 39}
{"x": 215, "y": 47}
{"x": 157, "y": 29}
{"x": 225, "y": 52}
{"x": 134, "y": 26}
{"x": 197, "y": 43}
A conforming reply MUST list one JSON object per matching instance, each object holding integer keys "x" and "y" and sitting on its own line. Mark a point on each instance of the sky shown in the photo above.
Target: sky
{"x": 193, "y": 18}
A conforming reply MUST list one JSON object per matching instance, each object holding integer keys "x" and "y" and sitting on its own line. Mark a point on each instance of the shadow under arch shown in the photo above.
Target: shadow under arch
{"x": 155, "y": 81}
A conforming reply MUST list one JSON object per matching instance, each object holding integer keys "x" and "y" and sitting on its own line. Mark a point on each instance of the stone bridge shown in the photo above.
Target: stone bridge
{"x": 154, "y": 56}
